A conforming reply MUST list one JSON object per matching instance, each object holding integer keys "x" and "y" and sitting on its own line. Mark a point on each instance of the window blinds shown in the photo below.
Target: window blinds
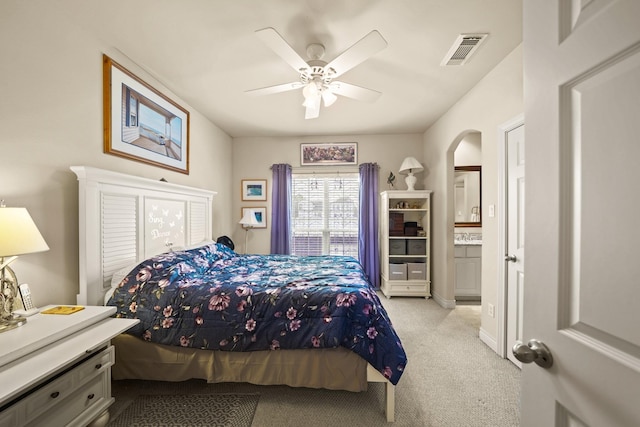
{"x": 324, "y": 214}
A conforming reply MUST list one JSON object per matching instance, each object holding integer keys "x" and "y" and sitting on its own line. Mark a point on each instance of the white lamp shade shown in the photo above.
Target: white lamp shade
{"x": 410, "y": 165}
{"x": 18, "y": 233}
{"x": 249, "y": 219}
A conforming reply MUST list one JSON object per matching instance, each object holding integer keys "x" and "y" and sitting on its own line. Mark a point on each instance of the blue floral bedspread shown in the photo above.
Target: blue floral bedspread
{"x": 213, "y": 298}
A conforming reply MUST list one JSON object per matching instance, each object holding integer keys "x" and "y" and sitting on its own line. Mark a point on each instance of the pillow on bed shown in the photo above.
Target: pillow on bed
{"x": 117, "y": 277}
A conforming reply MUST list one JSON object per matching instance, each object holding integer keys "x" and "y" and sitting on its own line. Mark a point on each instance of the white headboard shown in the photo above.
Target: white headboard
{"x": 125, "y": 219}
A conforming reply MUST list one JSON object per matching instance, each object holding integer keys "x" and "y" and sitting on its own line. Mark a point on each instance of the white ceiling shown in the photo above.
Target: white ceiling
{"x": 207, "y": 53}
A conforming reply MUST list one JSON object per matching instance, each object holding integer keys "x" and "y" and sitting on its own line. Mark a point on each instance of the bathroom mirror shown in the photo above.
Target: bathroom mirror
{"x": 468, "y": 196}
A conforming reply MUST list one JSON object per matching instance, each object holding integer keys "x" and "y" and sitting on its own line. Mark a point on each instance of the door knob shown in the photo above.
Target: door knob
{"x": 533, "y": 351}
{"x": 511, "y": 258}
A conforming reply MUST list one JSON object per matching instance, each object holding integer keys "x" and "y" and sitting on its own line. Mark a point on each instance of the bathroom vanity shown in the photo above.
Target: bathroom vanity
{"x": 468, "y": 269}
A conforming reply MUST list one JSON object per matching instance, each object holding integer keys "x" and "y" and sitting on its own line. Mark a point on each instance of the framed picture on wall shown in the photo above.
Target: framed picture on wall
{"x": 260, "y": 214}
{"x": 254, "y": 189}
{"x": 335, "y": 153}
{"x": 142, "y": 124}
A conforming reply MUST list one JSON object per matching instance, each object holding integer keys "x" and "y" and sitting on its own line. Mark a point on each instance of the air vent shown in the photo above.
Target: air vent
{"x": 463, "y": 48}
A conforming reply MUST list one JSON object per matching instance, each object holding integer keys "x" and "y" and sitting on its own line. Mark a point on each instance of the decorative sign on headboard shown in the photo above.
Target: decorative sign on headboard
{"x": 165, "y": 225}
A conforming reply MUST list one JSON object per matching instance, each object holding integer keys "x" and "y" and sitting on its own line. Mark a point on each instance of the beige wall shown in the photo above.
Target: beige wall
{"x": 51, "y": 118}
{"x": 253, "y": 158}
{"x": 492, "y": 102}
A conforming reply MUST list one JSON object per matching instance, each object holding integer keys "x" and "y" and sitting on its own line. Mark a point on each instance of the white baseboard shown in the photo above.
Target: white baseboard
{"x": 488, "y": 340}
{"x": 444, "y": 303}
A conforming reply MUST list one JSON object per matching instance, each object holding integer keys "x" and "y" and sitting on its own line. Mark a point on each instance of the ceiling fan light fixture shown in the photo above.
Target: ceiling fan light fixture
{"x": 310, "y": 101}
{"x": 328, "y": 97}
{"x": 310, "y": 90}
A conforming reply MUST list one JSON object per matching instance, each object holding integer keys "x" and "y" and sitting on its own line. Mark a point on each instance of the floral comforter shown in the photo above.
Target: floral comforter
{"x": 213, "y": 298}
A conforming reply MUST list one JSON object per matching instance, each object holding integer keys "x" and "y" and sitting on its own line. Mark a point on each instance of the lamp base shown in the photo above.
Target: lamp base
{"x": 411, "y": 181}
{"x": 8, "y": 293}
{"x": 8, "y": 324}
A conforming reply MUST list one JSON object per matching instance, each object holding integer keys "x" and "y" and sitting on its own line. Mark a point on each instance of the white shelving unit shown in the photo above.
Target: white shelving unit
{"x": 415, "y": 259}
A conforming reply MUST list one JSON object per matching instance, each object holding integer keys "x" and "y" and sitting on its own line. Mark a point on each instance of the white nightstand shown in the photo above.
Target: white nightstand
{"x": 56, "y": 369}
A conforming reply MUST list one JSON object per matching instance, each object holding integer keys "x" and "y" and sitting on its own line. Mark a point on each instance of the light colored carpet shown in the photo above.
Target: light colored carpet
{"x": 470, "y": 313}
{"x": 452, "y": 379}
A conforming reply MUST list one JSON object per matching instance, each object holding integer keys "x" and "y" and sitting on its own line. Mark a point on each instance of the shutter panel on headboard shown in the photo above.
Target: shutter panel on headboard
{"x": 119, "y": 233}
{"x": 198, "y": 215}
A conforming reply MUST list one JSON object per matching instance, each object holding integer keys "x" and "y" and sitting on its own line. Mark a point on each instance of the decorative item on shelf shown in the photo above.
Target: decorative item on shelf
{"x": 410, "y": 228}
{"x": 410, "y": 166}
{"x": 396, "y": 224}
{"x": 391, "y": 179}
{"x": 248, "y": 221}
{"x": 18, "y": 236}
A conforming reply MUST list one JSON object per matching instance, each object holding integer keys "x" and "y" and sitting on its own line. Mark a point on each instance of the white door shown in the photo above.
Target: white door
{"x": 581, "y": 297}
{"x": 514, "y": 256}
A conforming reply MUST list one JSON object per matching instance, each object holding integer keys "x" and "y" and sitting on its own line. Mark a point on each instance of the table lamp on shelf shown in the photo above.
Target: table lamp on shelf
{"x": 248, "y": 221}
{"x": 410, "y": 166}
{"x": 18, "y": 236}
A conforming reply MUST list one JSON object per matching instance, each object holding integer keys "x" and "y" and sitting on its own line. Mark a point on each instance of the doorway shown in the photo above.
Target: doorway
{"x": 467, "y": 234}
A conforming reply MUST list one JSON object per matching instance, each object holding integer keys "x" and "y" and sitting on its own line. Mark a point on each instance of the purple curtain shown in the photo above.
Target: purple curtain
{"x": 368, "y": 246}
{"x": 281, "y": 209}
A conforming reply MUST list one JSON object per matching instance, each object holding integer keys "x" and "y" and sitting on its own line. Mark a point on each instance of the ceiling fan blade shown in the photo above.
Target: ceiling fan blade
{"x": 313, "y": 107}
{"x": 366, "y": 47}
{"x": 354, "y": 92}
{"x": 274, "y": 89}
{"x": 279, "y": 45}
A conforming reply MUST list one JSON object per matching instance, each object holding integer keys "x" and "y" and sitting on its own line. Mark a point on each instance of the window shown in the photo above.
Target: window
{"x": 324, "y": 214}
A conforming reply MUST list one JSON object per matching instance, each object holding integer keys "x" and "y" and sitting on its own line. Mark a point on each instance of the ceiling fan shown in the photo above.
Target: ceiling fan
{"x": 316, "y": 76}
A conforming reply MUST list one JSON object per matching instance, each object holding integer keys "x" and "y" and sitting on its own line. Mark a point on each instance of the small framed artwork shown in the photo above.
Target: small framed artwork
{"x": 260, "y": 214}
{"x": 335, "y": 153}
{"x": 254, "y": 189}
{"x": 142, "y": 124}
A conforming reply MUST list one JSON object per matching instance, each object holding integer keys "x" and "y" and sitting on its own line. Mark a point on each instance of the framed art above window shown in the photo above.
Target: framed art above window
{"x": 142, "y": 124}
{"x": 254, "y": 189}
{"x": 335, "y": 153}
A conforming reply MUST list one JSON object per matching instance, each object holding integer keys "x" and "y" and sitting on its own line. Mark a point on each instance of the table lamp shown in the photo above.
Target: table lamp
{"x": 248, "y": 221}
{"x": 410, "y": 166}
{"x": 18, "y": 236}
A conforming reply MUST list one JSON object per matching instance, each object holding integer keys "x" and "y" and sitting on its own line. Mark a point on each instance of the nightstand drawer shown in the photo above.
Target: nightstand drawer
{"x": 57, "y": 391}
{"x": 48, "y": 396}
{"x": 92, "y": 394}
{"x": 98, "y": 363}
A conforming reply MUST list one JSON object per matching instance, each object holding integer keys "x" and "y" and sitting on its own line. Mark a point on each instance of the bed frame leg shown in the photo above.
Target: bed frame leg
{"x": 389, "y": 392}
{"x": 390, "y": 395}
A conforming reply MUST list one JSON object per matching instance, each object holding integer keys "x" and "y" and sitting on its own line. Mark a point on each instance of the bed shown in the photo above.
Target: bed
{"x": 208, "y": 312}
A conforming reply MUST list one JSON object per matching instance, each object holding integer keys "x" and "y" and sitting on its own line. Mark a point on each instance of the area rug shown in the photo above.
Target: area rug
{"x": 211, "y": 410}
